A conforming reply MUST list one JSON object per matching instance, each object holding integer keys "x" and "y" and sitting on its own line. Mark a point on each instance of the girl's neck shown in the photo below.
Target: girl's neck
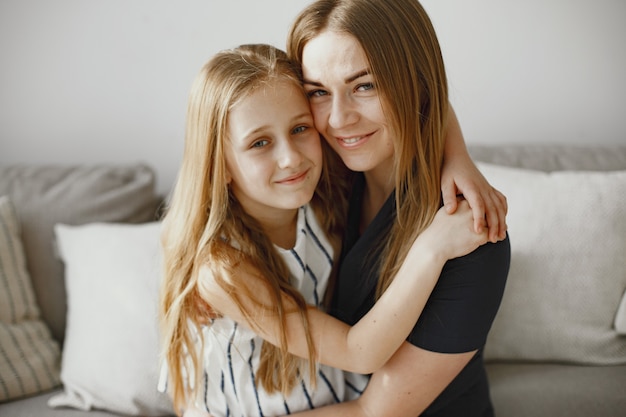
{"x": 281, "y": 229}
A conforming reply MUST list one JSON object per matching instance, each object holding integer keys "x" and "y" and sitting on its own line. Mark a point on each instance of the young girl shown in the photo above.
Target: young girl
{"x": 250, "y": 239}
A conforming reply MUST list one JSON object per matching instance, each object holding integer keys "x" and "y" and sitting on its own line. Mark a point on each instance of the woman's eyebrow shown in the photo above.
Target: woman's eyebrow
{"x": 356, "y": 76}
{"x": 348, "y": 80}
{"x": 313, "y": 83}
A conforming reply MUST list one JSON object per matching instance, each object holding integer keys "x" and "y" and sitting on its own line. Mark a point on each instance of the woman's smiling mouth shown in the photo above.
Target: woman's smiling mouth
{"x": 349, "y": 142}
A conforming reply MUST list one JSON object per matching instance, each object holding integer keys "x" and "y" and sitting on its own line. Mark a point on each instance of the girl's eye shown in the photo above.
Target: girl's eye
{"x": 365, "y": 87}
{"x": 299, "y": 129}
{"x": 316, "y": 93}
{"x": 260, "y": 143}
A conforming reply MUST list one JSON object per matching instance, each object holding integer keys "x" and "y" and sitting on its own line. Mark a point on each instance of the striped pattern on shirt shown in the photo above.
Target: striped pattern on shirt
{"x": 232, "y": 352}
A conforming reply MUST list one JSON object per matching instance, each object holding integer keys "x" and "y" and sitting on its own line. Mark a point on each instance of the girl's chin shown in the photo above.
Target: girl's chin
{"x": 300, "y": 200}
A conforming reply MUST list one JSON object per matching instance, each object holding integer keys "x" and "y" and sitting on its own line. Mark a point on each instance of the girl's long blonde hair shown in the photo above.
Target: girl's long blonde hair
{"x": 203, "y": 217}
{"x": 406, "y": 62}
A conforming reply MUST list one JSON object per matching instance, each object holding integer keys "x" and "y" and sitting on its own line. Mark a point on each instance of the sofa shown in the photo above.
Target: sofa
{"x": 79, "y": 271}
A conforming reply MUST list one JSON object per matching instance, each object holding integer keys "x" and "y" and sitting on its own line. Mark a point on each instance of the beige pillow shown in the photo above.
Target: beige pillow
{"x": 568, "y": 268}
{"x": 29, "y": 357}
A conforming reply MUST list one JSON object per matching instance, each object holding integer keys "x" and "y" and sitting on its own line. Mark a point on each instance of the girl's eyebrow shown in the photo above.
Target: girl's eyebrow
{"x": 261, "y": 129}
{"x": 348, "y": 79}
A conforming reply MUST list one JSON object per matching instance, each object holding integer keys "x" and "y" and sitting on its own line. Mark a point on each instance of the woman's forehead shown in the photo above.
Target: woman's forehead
{"x": 335, "y": 53}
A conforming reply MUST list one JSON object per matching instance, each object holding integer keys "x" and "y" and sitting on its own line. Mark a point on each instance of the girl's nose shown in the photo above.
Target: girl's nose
{"x": 288, "y": 155}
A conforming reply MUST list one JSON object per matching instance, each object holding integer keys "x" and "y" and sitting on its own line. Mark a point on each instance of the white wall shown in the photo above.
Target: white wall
{"x": 107, "y": 81}
{"x": 536, "y": 70}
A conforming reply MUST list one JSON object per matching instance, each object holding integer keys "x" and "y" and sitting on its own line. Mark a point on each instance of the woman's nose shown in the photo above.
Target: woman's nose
{"x": 342, "y": 112}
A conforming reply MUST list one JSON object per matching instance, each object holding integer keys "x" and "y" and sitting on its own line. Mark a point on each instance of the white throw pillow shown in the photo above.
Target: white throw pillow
{"x": 568, "y": 266}
{"x": 29, "y": 357}
{"x": 110, "y": 356}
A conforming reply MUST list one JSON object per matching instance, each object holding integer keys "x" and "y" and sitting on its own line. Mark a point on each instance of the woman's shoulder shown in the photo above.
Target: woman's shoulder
{"x": 465, "y": 300}
{"x": 489, "y": 262}
{"x": 498, "y": 250}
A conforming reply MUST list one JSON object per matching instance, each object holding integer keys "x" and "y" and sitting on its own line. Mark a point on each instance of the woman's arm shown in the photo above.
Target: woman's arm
{"x": 362, "y": 347}
{"x": 461, "y": 176}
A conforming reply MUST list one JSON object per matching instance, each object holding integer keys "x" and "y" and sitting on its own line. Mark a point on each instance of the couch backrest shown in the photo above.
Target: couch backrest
{"x": 565, "y": 299}
{"x": 553, "y": 157}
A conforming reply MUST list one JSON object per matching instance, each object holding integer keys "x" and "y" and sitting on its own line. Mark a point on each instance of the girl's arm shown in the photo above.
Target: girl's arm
{"x": 460, "y": 176}
{"x": 404, "y": 387}
{"x": 369, "y": 344}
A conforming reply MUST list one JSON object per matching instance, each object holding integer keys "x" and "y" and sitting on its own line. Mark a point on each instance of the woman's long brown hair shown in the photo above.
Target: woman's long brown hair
{"x": 405, "y": 59}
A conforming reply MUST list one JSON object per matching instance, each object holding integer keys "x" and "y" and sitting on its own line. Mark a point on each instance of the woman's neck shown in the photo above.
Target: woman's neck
{"x": 378, "y": 188}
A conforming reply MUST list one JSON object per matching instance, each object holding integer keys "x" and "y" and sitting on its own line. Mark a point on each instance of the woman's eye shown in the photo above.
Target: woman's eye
{"x": 316, "y": 93}
{"x": 365, "y": 87}
{"x": 260, "y": 143}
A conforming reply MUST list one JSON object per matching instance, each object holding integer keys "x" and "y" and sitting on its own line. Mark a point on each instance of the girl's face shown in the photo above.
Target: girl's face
{"x": 345, "y": 102}
{"x": 273, "y": 152}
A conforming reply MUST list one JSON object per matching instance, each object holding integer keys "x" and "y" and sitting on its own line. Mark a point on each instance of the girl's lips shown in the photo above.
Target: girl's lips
{"x": 294, "y": 178}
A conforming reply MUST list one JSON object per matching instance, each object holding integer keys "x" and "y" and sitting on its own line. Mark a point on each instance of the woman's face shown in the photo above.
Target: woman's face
{"x": 274, "y": 154}
{"x": 345, "y": 102}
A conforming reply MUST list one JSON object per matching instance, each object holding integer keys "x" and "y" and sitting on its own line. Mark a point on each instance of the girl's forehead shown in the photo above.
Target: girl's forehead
{"x": 270, "y": 104}
{"x": 269, "y": 87}
{"x": 283, "y": 89}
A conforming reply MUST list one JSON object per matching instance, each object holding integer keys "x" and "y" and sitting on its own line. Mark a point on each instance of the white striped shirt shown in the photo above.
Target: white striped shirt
{"x": 232, "y": 352}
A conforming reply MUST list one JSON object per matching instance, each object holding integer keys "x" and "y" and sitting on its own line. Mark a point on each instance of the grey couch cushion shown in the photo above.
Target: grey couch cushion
{"x": 45, "y": 195}
{"x": 37, "y": 406}
{"x": 536, "y": 390}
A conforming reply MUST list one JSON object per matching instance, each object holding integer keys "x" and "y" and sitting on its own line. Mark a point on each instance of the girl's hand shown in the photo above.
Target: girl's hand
{"x": 195, "y": 412}
{"x": 452, "y": 235}
{"x": 459, "y": 175}
{"x": 488, "y": 204}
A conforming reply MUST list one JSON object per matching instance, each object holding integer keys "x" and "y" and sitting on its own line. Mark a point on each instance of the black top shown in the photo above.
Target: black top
{"x": 457, "y": 316}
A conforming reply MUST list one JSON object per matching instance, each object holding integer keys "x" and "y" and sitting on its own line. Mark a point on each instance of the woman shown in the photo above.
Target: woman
{"x": 376, "y": 82}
